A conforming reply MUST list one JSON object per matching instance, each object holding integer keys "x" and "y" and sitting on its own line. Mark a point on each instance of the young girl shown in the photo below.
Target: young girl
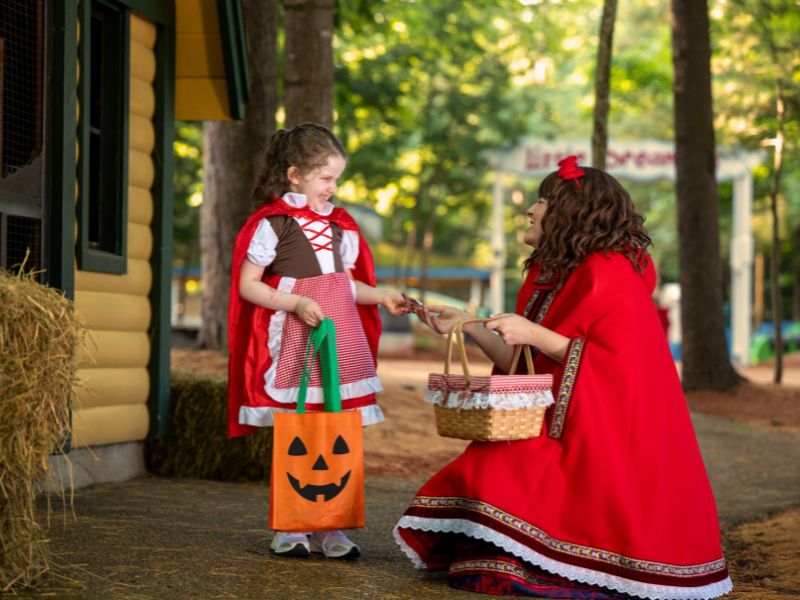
{"x": 297, "y": 260}
{"x": 612, "y": 499}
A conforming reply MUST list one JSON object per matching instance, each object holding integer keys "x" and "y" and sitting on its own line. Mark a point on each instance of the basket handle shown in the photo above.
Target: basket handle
{"x": 526, "y": 350}
{"x": 456, "y": 336}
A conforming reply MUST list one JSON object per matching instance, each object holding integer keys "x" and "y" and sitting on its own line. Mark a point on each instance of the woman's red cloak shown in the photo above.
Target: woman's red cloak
{"x": 614, "y": 492}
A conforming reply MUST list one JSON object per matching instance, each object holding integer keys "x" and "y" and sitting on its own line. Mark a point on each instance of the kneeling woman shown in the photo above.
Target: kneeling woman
{"x": 612, "y": 500}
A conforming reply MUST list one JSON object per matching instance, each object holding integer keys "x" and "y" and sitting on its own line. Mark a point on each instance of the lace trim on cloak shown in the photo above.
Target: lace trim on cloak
{"x": 621, "y": 584}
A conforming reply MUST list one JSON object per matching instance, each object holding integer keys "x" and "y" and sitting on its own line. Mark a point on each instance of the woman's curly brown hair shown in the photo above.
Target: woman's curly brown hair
{"x": 597, "y": 216}
{"x": 306, "y": 146}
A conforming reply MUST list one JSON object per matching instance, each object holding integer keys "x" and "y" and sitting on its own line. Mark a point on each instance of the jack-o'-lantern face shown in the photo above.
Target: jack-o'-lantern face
{"x": 314, "y": 474}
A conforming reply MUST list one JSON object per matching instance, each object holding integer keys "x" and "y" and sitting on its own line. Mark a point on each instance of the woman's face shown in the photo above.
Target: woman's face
{"x": 533, "y": 235}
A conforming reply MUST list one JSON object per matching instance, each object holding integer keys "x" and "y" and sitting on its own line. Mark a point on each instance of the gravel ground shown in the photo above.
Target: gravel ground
{"x": 157, "y": 538}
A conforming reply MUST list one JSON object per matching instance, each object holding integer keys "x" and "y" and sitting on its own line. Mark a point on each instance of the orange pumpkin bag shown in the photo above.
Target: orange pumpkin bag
{"x": 317, "y": 480}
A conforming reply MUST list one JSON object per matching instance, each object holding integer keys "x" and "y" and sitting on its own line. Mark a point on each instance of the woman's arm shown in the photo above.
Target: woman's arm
{"x": 252, "y": 289}
{"x": 517, "y": 330}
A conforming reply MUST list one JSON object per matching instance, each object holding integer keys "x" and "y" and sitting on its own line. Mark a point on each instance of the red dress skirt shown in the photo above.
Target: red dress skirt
{"x": 613, "y": 498}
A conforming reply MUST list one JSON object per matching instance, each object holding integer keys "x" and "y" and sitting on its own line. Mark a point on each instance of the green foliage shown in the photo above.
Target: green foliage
{"x": 197, "y": 444}
{"x": 187, "y": 185}
{"x": 423, "y": 90}
{"x": 756, "y": 47}
{"x": 422, "y": 93}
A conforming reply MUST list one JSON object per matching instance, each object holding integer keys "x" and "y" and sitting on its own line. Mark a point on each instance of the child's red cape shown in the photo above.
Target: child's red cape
{"x": 247, "y": 323}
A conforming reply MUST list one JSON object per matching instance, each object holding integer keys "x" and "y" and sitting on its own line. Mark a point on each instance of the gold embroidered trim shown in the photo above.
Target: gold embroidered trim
{"x": 496, "y": 566}
{"x": 568, "y": 380}
{"x": 548, "y": 302}
{"x": 576, "y": 550}
{"x": 529, "y": 305}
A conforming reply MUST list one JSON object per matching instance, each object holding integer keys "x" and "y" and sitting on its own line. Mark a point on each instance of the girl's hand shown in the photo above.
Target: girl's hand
{"x": 441, "y": 318}
{"x": 395, "y": 303}
{"x": 515, "y": 330}
{"x": 308, "y": 311}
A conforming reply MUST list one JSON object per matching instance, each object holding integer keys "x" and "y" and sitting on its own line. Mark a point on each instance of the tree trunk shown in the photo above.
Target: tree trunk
{"x": 232, "y": 157}
{"x": 775, "y": 255}
{"x": 409, "y": 253}
{"x": 432, "y": 191}
{"x": 427, "y": 247}
{"x": 705, "y": 355}
{"x": 602, "y": 84}
{"x": 796, "y": 284}
{"x": 308, "y": 52}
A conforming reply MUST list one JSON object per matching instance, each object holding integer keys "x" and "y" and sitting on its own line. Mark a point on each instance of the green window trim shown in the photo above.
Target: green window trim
{"x": 160, "y": 294}
{"x": 60, "y": 167}
{"x": 234, "y": 52}
{"x": 102, "y": 245}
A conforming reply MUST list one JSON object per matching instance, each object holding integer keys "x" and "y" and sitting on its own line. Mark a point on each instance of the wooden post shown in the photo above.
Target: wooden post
{"x": 758, "y": 291}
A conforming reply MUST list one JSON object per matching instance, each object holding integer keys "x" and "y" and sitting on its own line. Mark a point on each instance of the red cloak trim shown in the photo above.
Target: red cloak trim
{"x": 248, "y": 323}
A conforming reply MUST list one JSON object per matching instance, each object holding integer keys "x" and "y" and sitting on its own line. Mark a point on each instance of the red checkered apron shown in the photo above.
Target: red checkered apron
{"x": 335, "y": 295}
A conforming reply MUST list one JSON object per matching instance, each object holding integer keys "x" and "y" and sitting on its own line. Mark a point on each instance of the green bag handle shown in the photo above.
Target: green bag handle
{"x": 322, "y": 341}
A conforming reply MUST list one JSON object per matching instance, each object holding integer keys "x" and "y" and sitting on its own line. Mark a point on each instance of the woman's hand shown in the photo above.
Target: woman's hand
{"x": 514, "y": 329}
{"x": 308, "y": 311}
{"x": 441, "y": 318}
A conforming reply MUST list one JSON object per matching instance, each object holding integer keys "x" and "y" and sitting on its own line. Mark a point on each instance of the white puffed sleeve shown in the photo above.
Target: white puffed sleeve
{"x": 261, "y": 250}
{"x": 349, "y": 248}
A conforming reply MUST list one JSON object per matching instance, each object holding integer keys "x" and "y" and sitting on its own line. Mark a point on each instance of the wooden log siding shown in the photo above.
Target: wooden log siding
{"x": 111, "y": 399}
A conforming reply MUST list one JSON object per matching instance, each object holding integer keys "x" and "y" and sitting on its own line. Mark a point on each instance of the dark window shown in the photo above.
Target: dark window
{"x": 22, "y": 140}
{"x": 103, "y": 127}
{"x": 24, "y": 241}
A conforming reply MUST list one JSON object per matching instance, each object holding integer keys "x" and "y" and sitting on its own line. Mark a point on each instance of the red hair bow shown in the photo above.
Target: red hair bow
{"x": 568, "y": 169}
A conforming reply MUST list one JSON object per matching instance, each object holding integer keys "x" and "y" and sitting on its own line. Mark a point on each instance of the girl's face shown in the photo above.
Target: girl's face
{"x": 533, "y": 235}
{"x": 320, "y": 184}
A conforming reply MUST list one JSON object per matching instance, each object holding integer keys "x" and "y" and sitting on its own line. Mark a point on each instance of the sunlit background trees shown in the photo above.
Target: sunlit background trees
{"x": 423, "y": 90}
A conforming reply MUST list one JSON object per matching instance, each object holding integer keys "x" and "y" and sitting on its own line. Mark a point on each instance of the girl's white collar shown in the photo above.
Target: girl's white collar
{"x": 301, "y": 201}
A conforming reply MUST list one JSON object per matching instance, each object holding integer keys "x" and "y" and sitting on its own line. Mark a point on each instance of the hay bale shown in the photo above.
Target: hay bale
{"x": 39, "y": 333}
{"x": 197, "y": 445}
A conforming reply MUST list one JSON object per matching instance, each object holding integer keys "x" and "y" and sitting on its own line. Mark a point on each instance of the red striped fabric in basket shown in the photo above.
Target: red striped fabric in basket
{"x": 500, "y": 392}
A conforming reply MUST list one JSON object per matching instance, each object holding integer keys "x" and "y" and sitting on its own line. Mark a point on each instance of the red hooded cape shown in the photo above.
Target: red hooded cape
{"x": 248, "y": 323}
{"x": 614, "y": 491}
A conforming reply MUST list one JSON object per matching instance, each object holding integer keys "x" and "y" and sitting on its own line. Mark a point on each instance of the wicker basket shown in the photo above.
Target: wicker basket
{"x": 488, "y": 408}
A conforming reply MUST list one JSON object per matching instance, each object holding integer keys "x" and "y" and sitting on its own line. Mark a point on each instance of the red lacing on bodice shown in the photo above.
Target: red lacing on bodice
{"x": 325, "y": 233}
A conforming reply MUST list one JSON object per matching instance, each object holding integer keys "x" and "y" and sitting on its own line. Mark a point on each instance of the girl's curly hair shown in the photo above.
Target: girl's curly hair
{"x": 597, "y": 216}
{"x": 306, "y": 146}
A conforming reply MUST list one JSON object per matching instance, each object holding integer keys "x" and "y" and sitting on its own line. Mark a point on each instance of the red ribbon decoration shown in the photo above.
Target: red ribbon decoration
{"x": 568, "y": 169}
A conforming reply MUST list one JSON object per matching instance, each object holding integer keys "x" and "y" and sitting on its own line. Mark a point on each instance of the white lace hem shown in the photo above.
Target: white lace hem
{"x": 490, "y": 400}
{"x": 314, "y": 395}
{"x": 264, "y": 416}
{"x": 620, "y": 584}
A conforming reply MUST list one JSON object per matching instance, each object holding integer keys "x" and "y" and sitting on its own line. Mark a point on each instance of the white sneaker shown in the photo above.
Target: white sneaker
{"x": 334, "y": 544}
{"x": 290, "y": 543}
